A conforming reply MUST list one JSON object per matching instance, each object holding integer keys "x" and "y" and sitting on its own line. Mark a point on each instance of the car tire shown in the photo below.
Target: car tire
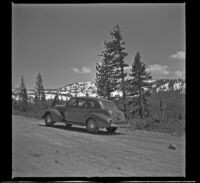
{"x": 48, "y": 120}
{"x": 92, "y": 126}
{"x": 111, "y": 129}
{"x": 68, "y": 125}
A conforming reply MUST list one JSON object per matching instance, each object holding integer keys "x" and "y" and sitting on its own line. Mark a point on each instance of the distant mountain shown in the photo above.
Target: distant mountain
{"x": 169, "y": 85}
{"x": 88, "y": 88}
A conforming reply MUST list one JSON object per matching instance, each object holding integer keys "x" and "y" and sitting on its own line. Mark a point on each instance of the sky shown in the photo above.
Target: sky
{"x": 63, "y": 41}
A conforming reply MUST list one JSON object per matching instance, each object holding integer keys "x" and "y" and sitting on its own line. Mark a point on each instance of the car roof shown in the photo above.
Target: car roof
{"x": 91, "y": 98}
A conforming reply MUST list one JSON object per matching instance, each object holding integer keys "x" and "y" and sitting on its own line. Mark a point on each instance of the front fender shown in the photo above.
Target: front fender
{"x": 55, "y": 114}
{"x": 101, "y": 119}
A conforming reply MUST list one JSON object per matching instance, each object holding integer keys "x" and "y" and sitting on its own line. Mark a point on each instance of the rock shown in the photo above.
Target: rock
{"x": 56, "y": 161}
{"x": 172, "y": 146}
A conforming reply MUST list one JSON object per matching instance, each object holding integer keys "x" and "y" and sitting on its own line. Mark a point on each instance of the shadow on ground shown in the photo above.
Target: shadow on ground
{"x": 82, "y": 130}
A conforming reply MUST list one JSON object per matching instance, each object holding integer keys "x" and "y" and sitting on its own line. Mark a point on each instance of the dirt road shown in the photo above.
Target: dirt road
{"x": 43, "y": 151}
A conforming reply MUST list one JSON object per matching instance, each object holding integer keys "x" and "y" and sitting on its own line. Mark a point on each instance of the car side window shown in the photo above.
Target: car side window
{"x": 97, "y": 105}
{"x": 93, "y": 105}
{"x": 82, "y": 103}
{"x": 72, "y": 103}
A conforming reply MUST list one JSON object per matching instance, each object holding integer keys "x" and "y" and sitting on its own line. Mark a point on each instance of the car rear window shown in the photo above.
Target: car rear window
{"x": 109, "y": 105}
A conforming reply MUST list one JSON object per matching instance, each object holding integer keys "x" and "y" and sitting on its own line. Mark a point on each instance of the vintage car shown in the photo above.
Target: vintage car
{"x": 94, "y": 113}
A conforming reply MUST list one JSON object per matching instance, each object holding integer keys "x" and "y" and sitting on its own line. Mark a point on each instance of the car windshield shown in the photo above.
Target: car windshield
{"x": 109, "y": 105}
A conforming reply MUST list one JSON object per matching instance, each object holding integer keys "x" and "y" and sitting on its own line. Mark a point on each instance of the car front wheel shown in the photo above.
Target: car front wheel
{"x": 111, "y": 129}
{"x": 92, "y": 126}
{"x": 48, "y": 120}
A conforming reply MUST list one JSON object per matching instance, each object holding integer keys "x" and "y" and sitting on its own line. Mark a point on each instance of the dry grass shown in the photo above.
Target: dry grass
{"x": 33, "y": 113}
{"x": 172, "y": 126}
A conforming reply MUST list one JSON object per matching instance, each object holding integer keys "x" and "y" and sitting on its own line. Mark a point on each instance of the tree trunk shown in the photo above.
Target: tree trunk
{"x": 161, "y": 109}
{"x": 108, "y": 96}
{"x": 140, "y": 103}
{"x": 124, "y": 94}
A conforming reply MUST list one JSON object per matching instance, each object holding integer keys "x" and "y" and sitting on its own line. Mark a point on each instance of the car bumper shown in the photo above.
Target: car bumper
{"x": 120, "y": 124}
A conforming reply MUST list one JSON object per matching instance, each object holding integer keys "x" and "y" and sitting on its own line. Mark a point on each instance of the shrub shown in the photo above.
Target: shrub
{"x": 32, "y": 110}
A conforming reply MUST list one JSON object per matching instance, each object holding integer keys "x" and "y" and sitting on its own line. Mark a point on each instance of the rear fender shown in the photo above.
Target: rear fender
{"x": 55, "y": 114}
{"x": 101, "y": 119}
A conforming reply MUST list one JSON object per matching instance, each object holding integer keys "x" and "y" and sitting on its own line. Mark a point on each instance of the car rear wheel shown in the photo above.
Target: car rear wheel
{"x": 111, "y": 129}
{"x": 48, "y": 120}
{"x": 92, "y": 126}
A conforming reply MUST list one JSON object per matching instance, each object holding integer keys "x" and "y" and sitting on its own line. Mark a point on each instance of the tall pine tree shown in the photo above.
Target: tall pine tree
{"x": 23, "y": 95}
{"x": 116, "y": 49}
{"x": 105, "y": 79}
{"x": 138, "y": 85}
{"x": 39, "y": 91}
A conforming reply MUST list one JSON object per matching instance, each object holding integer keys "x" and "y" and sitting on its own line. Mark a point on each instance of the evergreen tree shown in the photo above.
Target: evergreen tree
{"x": 39, "y": 91}
{"x": 23, "y": 95}
{"x": 116, "y": 49}
{"x": 138, "y": 85}
{"x": 105, "y": 79}
{"x": 110, "y": 73}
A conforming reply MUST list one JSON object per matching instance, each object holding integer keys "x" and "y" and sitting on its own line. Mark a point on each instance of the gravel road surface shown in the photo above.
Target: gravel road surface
{"x": 40, "y": 151}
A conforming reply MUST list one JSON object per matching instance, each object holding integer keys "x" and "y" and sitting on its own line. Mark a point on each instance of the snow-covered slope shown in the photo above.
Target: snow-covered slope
{"x": 89, "y": 89}
{"x": 169, "y": 85}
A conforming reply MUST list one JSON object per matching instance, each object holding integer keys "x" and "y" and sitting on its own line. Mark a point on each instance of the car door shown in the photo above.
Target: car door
{"x": 82, "y": 110}
{"x": 93, "y": 106}
{"x": 71, "y": 110}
